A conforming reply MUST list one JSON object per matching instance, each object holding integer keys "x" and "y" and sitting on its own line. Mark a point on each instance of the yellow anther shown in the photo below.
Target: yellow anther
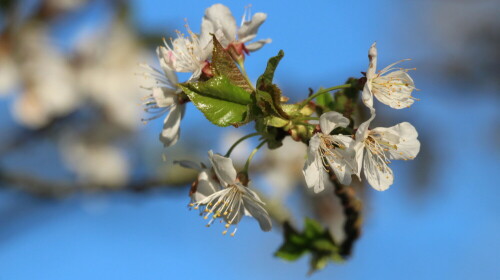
{"x": 224, "y": 232}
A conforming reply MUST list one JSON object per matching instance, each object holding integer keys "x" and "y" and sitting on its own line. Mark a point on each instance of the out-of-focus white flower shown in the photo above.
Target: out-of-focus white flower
{"x": 377, "y": 147}
{"x": 219, "y": 194}
{"x": 284, "y": 166}
{"x": 219, "y": 20}
{"x": 391, "y": 86}
{"x": 187, "y": 54}
{"x": 65, "y": 5}
{"x": 106, "y": 73}
{"x": 49, "y": 84}
{"x": 99, "y": 164}
{"x": 164, "y": 98}
{"x": 9, "y": 74}
{"x": 335, "y": 151}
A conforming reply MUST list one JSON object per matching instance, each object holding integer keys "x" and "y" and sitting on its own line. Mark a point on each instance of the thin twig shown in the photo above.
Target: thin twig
{"x": 45, "y": 188}
{"x": 353, "y": 217}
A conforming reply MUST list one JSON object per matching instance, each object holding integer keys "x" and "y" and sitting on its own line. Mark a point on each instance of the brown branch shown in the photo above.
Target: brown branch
{"x": 53, "y": 189}
{"x": 353, "y": 217}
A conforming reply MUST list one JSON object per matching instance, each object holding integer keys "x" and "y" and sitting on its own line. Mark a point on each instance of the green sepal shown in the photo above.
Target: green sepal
{"x": 273, "y": 135}
{"x": 276, "y": 121}
{"x": 222, "y": 102}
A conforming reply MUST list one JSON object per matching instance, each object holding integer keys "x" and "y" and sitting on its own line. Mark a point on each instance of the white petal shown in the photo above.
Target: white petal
{"x": 313, "y": 168}
{"x": 222, "y": 18}
{"x": 362, "y": 131}
{"x": 258, "y": 212}
{"x": 367, "y": 95}
{"x": 249, "y": 29}
{"x": 404, "y": 137}
{"x": 359, "y": 148}
{"x": 223, "y": 167}
{"x": 207, "y": 29}
{"x": 346, "y": 165}
{"x": 372, "y": 57}
{"x": 171, "y": 126}
{"x": 378, "y": 174}
{"x": 254, "y": 46}
{"x": 164, "y": 96}
{"x": 170, "y": 74}
{"x": 331, "y": 120}
{"x": 206, "y": 186}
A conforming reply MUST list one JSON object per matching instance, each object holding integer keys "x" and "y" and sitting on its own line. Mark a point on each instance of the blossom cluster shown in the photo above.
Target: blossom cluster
{"x": 218, "y": 191}
{"x": 219, "y": 87}
{"x": 370, "y": 150}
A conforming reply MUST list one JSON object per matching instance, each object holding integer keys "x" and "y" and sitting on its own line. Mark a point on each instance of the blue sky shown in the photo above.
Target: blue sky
{"x": 449, "y": 233}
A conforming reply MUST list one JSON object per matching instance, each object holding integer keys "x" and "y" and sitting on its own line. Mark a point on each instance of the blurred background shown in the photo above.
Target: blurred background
{"x": 88, "y": 192}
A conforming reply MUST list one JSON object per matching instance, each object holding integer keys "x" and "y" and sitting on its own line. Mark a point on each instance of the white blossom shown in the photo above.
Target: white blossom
{"x": 164, "y": 97}
{"x": 391, "y": 86}
{"x": 220, "y": 195}
{"x": 325, "y": 150}
{"x": 106, "y": 73}
{"x": 219, "y": 20}
{"x": 377, "y": 147}
{"x": 9, "y": 74}
{"x": 100, "y": 164}
{"x": 48, "y": 80}
{"x": 187, "y": 54}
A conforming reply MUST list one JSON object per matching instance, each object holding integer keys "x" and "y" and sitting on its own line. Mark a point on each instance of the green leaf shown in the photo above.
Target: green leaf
{"x": 326, "y": 101}
{"x": 318, "y": 262}
{"x": 224, "y": 65}
{"x": 268, "y": 95}
{"x": 314, "y": 239}
{"x": 312, "y": 228}
{"x": 266, "y": 104}
{"x": 267, "y": 78}
{"x": 222, "y": 102}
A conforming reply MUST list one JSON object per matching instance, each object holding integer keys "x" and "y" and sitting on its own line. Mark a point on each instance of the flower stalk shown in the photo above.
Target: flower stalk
{"x": 323, "y": 91}
{"x": 239, "y": 141}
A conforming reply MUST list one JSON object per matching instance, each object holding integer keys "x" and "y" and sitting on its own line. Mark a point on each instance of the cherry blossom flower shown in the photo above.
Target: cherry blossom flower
{"x": 325, "y": 150}
{"x": 391, "y": 86}
{"x": 377, "y": 147}
{"x": 187, "y": 54}
{"x": 220, "y": 195}
{"x": 104, "y": 73}
{"x": 98, "y": 163}
{"x": 219, "y": 20}
{"x": 164, "y": 98}
{"x": 49, "y": 89}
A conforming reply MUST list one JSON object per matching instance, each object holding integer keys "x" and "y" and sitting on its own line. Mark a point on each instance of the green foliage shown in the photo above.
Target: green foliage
{"x": 314, "y": 239}
{"x": 344, "y": 101}
{"x": 326, "y": 102}
{"x": 222, "y": 102}
{"x": 268, "y": 95}
{"x": 273, "y": 135}
{"x": 224, "y": 65}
